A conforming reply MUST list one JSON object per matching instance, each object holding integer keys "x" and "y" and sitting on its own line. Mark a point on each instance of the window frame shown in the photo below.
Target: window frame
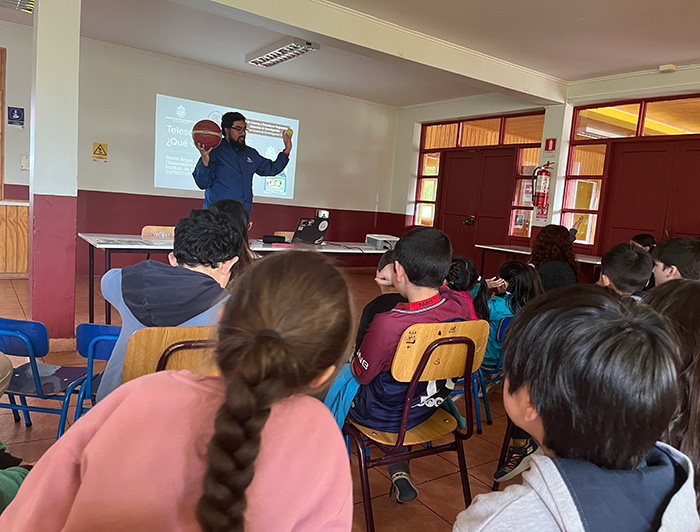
{"x": 458, "y": 147}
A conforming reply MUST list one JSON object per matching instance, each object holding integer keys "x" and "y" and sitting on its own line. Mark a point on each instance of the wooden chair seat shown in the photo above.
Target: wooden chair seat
{"x": 436, "y": 426}
{"x": 158, "y": 232}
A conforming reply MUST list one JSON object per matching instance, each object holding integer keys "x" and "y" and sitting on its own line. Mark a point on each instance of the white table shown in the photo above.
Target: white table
{"x": 135, "y": 244}
{"x": 524, "y": 250}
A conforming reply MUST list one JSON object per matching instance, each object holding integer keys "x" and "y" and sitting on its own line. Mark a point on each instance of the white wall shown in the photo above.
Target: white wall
{"x": 18, "y": 42}
{"x": 345, "y": 146}
{"x": 403, "y": 190}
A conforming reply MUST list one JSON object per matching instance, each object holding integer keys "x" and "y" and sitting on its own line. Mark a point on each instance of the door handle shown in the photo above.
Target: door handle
{"x": 470, "y": 221}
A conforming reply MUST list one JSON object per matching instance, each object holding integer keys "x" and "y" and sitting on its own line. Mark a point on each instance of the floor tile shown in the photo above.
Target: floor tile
{"x": 444, "y": 495}
{"x": 30, "y": 451}
{"x": 392, "y": 517}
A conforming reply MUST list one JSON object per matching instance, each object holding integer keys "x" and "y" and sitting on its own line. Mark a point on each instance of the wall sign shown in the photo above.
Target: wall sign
{"x": 15, "y": 116}
{"x": 99, "y": 152}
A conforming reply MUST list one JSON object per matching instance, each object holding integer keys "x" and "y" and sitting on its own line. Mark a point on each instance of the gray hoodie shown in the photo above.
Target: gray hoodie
{"x": 577, "y": 496}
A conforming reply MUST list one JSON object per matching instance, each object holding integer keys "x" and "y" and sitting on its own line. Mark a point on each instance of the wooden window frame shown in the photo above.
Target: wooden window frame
{"x": 442, "y": 151}
{"x": 637, "y": 137}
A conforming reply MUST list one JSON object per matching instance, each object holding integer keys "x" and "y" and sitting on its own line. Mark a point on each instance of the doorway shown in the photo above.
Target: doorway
{"x": 652, "y": 188}
{"x": 476, "y": 197}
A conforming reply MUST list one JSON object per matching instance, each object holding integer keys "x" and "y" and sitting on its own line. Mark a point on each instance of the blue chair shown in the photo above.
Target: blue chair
{"x": 94, "y": 342}
{"x": 36, "y": 379}
{"x": 493, "y": 369}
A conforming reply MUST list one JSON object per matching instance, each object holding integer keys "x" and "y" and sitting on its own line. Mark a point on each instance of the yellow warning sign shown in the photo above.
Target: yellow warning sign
{"x": 99, "y": 152}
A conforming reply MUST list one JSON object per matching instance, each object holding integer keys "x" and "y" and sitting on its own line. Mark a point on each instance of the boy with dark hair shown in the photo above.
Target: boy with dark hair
{"x": 626, "y": 268}
{"x": 677, "y": 258}
{"x": 186, "y": 292}
{"x": 388, "y": 299}
{"x": 592, "y": 378}
{"x": 422, "y": 260}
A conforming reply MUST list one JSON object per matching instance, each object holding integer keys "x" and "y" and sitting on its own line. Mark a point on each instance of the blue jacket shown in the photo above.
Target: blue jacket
{"x": 229, "y": 174}
{"x": 152, "y": 294}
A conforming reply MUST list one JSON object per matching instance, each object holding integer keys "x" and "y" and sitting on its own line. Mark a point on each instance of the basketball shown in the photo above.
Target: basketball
{"x": 206, "y": 133}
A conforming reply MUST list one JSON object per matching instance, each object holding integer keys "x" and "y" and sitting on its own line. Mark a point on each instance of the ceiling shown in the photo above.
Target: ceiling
{"x": 559, "y": 39}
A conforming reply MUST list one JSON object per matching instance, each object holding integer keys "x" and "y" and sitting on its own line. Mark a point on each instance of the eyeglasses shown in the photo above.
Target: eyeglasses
{"x": 240, "y": 129}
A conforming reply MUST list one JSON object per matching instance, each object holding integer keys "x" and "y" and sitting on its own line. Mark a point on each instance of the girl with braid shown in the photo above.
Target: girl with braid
{"x": 248, "y": 451}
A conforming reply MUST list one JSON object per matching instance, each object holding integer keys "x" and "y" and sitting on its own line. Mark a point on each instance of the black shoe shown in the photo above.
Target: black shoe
{"x": 518, "y": 460}
{"x": 402, "y": 484}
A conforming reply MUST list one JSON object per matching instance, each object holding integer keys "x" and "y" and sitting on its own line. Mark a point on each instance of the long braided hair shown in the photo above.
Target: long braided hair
{"x": 288, "y": 320}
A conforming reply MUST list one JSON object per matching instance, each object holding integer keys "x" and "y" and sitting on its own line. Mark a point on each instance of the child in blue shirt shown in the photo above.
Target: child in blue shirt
{"x": 521, "y": 283}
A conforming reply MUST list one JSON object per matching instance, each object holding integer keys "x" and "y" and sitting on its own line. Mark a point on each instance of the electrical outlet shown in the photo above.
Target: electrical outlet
{"x": 24, "y": 162}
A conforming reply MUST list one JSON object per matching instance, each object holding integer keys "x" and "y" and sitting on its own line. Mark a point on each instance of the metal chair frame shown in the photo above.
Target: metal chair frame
{"x": 393, "y": 453}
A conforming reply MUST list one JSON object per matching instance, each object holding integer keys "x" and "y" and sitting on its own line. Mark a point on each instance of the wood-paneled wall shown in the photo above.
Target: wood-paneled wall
{"x": 14, "y": 224}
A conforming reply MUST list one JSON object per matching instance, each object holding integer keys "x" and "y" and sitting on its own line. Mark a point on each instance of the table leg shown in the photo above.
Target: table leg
{"x": 108, "y": 307}
{"x": 91, "y": 283}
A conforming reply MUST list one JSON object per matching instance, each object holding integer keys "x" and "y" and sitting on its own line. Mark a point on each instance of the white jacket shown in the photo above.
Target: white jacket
{"x": 544, "y": 502}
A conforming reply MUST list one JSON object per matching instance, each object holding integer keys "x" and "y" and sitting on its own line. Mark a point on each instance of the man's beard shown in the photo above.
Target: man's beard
{"x": 237, "y": 145}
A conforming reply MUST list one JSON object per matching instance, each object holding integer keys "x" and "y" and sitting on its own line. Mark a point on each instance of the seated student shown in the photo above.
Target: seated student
{"x": 679, "y": 302}
{"x": 626, "y": 269}
{"x": 647, "y": 242}
{"x": 678, "y": 258}
{"x": 421, "y": 263}
{"x": 188, "y": 292}
{"x": 553, "y": 256}
{"x": 592, "y": 378}
{"x": 464, "y": 278}
{"x": 521, "y": 283}
{"x": 250, "y": 450}
{"x": 241, "y": 221}
{"x": 388, "y": 299}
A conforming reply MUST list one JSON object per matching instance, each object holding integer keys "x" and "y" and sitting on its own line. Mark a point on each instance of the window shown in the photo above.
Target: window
{"x": 672, "y": 117}
{"x": 595, "y": 129}
{"x": 521, "y": 131}
{"x": 481, "y": 132}
{"x": 427, "y": 189}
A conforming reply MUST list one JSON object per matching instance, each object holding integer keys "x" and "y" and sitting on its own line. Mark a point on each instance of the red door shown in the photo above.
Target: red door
{"x": 476, "y": 197}
{"x": 683, "y": 218}
{"x": 459, "y": 199}
{"x": 637, "y": 193}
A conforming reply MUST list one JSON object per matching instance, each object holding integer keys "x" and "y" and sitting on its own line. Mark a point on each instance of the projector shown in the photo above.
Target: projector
{"x": 381, "y": 241}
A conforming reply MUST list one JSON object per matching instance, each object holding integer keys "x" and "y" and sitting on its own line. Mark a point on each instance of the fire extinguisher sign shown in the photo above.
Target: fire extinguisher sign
{"x": 550, "y": 146}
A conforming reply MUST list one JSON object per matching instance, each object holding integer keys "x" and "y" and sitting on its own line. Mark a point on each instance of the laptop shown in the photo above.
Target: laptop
{"x": 310, "y": 230}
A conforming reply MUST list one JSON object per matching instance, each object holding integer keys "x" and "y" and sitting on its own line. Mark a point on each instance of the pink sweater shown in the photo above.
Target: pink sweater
{"x": 136, "y": 461}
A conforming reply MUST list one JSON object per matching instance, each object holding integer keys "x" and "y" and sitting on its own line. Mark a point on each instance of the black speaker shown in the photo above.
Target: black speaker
{"x": 273, "y": 239}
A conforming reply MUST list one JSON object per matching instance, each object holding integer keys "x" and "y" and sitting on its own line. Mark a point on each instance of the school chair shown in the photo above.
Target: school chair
{"x": 94, "y": 342}
{"x": 494, "y": 370}
{"x": 147, "y": 346}
{"x": 504, "y": 451}
{"x": 36, "y": 379}
{"x": 426, "y": 352}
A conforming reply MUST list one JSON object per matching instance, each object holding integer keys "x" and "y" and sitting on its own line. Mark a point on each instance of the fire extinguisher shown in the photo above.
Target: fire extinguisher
{"x": 540, "y": 184}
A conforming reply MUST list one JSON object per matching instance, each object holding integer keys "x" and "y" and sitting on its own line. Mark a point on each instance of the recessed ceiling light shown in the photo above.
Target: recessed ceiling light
{"x": 281, "y": 51}
{"x": 19, "y": 5}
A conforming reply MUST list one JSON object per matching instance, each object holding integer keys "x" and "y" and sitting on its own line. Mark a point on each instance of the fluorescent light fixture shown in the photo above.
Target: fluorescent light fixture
{"x": 281, "y": 51}
{"x": 19, "y": 5}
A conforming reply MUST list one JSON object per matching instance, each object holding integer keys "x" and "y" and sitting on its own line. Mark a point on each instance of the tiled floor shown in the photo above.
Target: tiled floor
{"x": 440, "y": 498}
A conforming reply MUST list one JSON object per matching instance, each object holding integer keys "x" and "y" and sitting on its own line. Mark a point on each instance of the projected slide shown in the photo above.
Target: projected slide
{"x": 176, "y": 155}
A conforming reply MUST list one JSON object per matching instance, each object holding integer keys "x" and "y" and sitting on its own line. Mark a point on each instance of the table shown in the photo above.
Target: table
{"x": 135, "y": 244}
{"x": 524, "y": 250}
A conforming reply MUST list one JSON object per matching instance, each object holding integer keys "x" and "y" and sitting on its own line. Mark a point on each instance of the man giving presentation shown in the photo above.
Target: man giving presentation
{"x": 226, "y": 172}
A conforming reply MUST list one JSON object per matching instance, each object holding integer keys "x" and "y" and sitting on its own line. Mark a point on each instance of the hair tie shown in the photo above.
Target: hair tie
{"x": 269, "y": 333}
{"x": 478, "y": 279}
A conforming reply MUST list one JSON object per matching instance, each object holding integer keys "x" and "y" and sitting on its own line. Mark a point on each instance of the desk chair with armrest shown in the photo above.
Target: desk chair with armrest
{"x": 426, "y": 352}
